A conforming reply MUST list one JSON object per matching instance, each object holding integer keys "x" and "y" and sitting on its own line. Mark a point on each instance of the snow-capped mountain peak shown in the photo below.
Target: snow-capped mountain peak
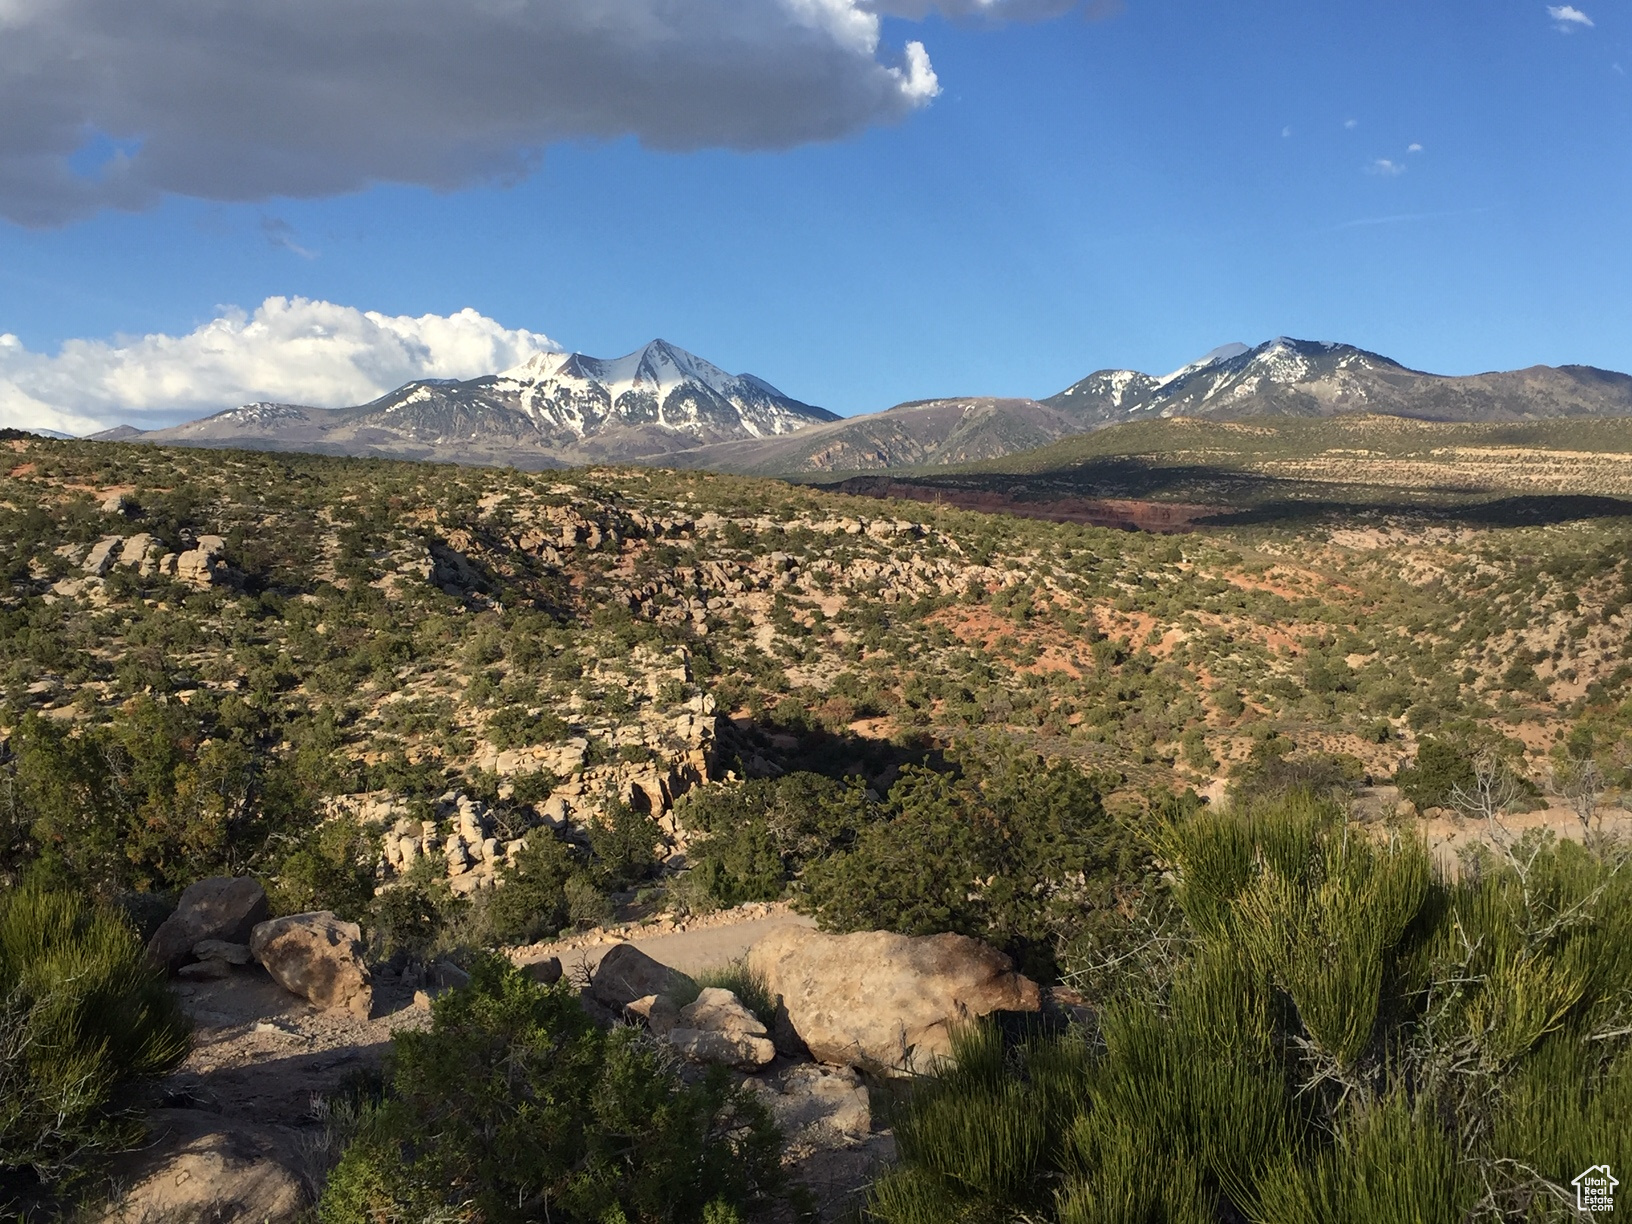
{"x": 1224, "y": 352}
{"x": 1280, "y": 375}
{"x": 660, "y": 385}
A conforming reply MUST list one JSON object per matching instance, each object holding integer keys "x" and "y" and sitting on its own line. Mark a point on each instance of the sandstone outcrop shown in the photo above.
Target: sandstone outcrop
{"x": 883, "y": 1002}
{"x": 202, "y": 565}
{"x": 102, "y": 555}
{"x": 221, "y": 908}
{"x": 318, "y": 957}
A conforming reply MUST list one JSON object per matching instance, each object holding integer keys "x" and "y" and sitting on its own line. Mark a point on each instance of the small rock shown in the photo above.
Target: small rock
{"x": 822, "y": 1107}
{"x": 717, "y": 1028}
{"x": 883, "y": 1002}
{"x": 657, "y": 1012}
{"x": 546, "y": 972}
{"x": 102, "y": 555}
{"x": 205, "y": 971}
{"x": 221, "y": 950}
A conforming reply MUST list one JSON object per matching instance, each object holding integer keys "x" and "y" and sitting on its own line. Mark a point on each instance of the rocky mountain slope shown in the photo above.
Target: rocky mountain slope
{"x": 923, "y": 432}
{"x": 1283, "y": 377}
{"x": 1287, "y": 377}
{"x": 554, "y": 410}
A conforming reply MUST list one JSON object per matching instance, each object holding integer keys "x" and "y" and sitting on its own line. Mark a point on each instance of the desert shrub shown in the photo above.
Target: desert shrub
{"x": 531, "y": 903}
{"x": 1010, "y": 850}
{"x": 404, "y": 922}
{"x": 332, "y": 868}
{"x": 163, "y": 796}
{"x": 514, "y": 1106}
{"x": 981, "y": 1140}
{"x": 1272, "y": 772}
{"x": 1439, "y": 769}
{"x": 760, "y": 834}
{"x": 587, "y": 905}
{"x": 514, "y": 727}
{"x": 623, "y": 846}
{"x": 82, "y": 1015}
{"x": 742, "y": 865}
{"x": 1347, "y": 1038}
{"x": 534, "y": 786}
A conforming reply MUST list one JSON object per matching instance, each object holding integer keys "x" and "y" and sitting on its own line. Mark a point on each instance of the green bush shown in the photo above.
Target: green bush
{"x": 82, "y": 1014}
{"x": 161, "y": 797}
{"x": 513, "y": 727}
{"x": 1347, "y": 1038}
{"x": 404, "y": 921}
{"x": 623, "y": 846}
{"x": 332, "y": 869}
{"x": 1439, "y": 769}
{"x": 759, "y": 835}
{"x": 531, "y": 903}
{"x": 1272, "y": 772}
{"x": 1009, "y": 850}
{"x": 514, "y": 1106}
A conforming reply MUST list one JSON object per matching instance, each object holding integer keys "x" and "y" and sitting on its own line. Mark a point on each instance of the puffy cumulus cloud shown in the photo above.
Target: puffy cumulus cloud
{"x": 290, "y": 350}
{"x": 111, "y": 103}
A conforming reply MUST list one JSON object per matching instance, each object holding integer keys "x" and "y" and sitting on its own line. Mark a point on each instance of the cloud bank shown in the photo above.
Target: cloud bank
{"x": 290, "y": 350}
{"x": 114, "y": 103}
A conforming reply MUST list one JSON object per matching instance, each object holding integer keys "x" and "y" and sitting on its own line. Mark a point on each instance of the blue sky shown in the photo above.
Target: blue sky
{"x": 1129, "y": 191}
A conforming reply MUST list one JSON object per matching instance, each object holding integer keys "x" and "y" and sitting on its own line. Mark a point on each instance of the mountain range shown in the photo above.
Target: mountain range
{"x": 554, "y": 410}
{"x": 662, "y": 404}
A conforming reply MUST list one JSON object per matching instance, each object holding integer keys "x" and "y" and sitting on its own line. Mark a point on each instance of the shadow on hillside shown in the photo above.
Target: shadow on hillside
{"x": 1532, "y": 510}
{"x": 765, "y": 748}
{"x": 1223, "y": 496}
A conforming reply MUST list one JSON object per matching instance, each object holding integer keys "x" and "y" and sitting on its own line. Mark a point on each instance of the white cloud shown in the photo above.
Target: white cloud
{"x": 290, "y": 350}
{"x": 1568, "y": 17}
{"x": 112, "y": 104}
{"x": 1351, "y": 124}
{"x": 990, "y": 10}
{"x": 1286, "y": 132}
{"x": 1386, "y": 168}
{"x": 1413, "y": 147}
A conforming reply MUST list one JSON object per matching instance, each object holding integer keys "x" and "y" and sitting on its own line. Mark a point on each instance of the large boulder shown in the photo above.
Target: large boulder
{"x": 882, "y": 1002}
{"x": 717, "y": 1028}
{"x": 221, "y": 908}
{"x": 626, "y": 974}
{"x": 318, "y": 957}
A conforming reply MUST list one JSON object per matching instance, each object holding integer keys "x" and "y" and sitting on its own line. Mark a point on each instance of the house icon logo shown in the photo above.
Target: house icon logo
{"x": 1595, "y": 1189}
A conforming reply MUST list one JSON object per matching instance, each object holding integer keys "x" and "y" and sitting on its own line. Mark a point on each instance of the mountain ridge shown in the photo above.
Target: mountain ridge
{"x": 552, "y": 410}
{"x": 663, "y": 405}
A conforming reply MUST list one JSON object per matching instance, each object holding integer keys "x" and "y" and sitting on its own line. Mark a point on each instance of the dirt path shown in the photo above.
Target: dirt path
{"x": 709, "y": 942}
